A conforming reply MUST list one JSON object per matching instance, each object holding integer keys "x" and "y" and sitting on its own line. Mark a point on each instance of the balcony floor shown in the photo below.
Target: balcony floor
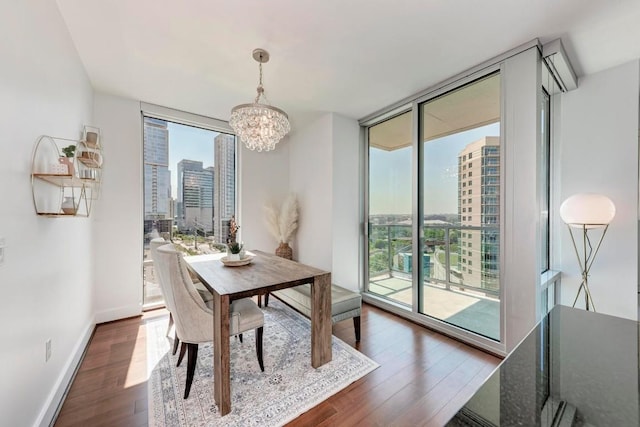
{"x": 464, "y": 309}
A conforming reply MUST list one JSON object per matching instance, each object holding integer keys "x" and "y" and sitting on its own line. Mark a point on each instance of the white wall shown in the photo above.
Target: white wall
{"x": 598, "y": 152}
{"x": 520, "y": 270}
{"x": 325, "y": 174}
{"x": 46, "y": 280}
{"x": 264, "y": 178}
{"x": 346, "y": 222}
{"x": 118, "y": 229}
{"x": 311, "y": 179}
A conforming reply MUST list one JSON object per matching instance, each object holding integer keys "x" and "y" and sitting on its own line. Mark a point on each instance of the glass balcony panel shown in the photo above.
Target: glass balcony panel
{"x": 390, "y": 224}
{"x": 461, "y": 170}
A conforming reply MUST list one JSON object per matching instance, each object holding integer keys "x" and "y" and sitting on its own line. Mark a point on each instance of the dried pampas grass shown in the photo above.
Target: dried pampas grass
{"x": 271, "y": 217}
{"x": 288, "y": 218}
{"x": 283, "y": 223}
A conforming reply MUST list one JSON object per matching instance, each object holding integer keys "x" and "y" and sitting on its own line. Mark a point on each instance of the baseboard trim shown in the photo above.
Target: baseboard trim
{"x": 56, "y": 398}
{"x": 118, "y": 313}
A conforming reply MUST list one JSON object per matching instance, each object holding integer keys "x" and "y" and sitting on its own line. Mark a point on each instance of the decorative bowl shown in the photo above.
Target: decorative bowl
{"x": 244, "y": 261}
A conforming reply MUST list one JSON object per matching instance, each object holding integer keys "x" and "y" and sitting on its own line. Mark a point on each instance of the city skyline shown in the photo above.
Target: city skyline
{"x": 224, "y": 194}
{"x": 194, "y": 144}
{"x": 156, "y": 173}
{"x": 195, "y": 196}
{"x": 189, "y": 178}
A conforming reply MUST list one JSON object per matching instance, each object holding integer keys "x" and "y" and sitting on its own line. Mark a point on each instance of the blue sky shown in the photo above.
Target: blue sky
{"x": 390, "y": 173}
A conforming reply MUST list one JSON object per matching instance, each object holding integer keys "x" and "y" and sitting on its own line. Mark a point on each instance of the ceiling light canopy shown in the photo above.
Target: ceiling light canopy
{"x": 259, "y": 126}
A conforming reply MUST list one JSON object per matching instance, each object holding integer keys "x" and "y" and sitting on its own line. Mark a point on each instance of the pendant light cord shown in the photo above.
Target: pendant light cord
{"x": 260, "y": 88}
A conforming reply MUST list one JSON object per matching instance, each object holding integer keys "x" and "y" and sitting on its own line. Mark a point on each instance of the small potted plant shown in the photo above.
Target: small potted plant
{"x": 67, "y": 159}
{"x": 69, "y": 150}
{"x": 234, "y": 249}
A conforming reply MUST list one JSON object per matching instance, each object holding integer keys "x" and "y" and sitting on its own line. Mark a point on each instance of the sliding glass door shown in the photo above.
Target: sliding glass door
{"x": 460, "y": 137}
{"x": 390, "y": 209}
{"x": 451, "y": 272}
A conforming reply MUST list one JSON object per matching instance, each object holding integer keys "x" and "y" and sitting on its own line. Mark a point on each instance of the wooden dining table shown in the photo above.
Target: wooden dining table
{"x": 266, "y": 273}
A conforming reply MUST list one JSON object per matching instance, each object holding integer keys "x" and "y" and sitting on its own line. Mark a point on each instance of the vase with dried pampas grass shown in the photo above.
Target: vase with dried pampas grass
{"x": 282, "y": 224}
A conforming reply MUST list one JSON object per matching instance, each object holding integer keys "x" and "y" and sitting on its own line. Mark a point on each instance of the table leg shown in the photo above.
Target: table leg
{"x": 221, "y": 365}
{"x": 321, "y": 320}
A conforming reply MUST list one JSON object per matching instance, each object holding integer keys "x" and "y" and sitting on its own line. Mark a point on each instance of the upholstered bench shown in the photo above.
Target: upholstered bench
{"x": 345, "y": 304}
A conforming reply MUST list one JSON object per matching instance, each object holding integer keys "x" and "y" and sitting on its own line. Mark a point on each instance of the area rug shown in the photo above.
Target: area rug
{"x": 288, "y": 387}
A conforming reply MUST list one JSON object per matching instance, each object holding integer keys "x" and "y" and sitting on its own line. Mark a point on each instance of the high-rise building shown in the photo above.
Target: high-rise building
{"x": 157, "y": 177}
{"x": 195, "y": 197}
{"x": 479, "y": 206}
{"x": 224, "y": 193}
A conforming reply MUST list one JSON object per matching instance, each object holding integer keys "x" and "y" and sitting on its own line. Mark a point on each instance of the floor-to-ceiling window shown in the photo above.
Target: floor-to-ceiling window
{"x": 545, "y": 178}
{"x": 460, "y": 137}
{"x": 451, "y": 180}
{"x": 549, "y": 279}
{"x": 189, "y": 191}
{"x": 390, "y": 209}
{"x": 458, "y": 197}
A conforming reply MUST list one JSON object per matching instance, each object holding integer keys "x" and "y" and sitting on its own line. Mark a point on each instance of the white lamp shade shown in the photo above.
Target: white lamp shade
{"x": 587, "y": 209}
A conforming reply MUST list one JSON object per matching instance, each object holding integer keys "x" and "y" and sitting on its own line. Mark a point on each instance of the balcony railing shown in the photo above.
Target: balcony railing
{"x": 451, "y": 255}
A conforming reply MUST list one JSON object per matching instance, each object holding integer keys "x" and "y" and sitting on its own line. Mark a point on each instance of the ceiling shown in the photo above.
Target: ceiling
{"x": 476, "y": 104}
{"x": 352, "y": 57}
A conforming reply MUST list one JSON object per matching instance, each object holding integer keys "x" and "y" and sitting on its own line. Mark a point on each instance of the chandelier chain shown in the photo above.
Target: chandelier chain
{"x": 260, "y": 87}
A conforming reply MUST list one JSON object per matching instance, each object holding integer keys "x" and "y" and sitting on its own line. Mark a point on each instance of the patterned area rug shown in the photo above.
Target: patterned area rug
{"x": 288, "y": 387}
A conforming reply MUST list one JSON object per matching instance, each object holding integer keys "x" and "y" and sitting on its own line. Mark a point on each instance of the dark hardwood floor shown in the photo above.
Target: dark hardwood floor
{"x": 423, "y": 378}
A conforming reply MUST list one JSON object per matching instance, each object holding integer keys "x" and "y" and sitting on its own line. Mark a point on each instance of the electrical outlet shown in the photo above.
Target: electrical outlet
{"x": 2, "y": 246}
{"x": 47, "y": 346}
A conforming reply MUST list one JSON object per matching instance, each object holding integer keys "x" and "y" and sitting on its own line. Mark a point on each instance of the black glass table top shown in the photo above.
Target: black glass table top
{"x": 576, "y": 368}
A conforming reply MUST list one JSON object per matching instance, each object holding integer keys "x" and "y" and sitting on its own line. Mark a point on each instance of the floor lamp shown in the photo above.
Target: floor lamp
{"x": 584, "y": 212}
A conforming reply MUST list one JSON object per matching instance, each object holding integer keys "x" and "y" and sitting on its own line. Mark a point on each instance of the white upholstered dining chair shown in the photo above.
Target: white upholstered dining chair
{"x": 205, "y": 294}
{"x": 193, "y": 319}
{"x": 202, "y": 289}
{"x": 154, "y": 244}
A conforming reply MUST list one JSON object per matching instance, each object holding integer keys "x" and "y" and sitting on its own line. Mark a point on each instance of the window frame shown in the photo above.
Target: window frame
{"x": 521, "y": 68}
{"x": 194, "y": 120}
{"x": 418, "y": 228}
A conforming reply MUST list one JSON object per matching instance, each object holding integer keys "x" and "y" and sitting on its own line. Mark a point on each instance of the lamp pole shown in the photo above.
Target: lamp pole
{"x": 586, "y": 261}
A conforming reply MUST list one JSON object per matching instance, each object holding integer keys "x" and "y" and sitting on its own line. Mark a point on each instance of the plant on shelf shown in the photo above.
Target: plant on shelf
{"x": 67, "y": 159}
{"x": 69, "y": 150}
{"x": 282, "y": 224}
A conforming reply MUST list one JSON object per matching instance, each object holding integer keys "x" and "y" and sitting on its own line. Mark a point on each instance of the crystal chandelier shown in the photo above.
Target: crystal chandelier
{"x": 259, "y": 126}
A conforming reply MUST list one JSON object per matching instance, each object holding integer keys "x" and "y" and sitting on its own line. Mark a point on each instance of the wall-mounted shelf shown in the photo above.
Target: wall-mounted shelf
{"x": 65, "y": 180}
{"x": 66, "y": 186}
